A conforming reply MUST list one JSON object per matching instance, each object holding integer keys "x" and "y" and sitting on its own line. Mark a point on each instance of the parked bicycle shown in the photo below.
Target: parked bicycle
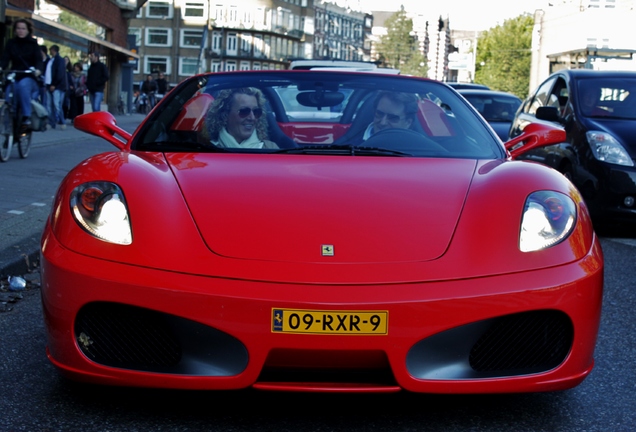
{"x": 11, "y": 130}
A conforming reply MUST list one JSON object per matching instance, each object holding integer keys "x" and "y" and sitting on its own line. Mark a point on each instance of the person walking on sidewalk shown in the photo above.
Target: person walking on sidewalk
{"x": 78, "y": 77}
{"x": 57, "y": 87}
{"x": 96, "y": 79}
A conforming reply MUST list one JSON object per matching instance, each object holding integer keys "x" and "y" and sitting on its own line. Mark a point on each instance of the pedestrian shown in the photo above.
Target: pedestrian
{"x": 23, "y": 53}
{"x": 149, "y": 88}
{"x": 96, "y": 79}
{"x": 162, "y": 85}
{"x": 78, "y": 78}
{"x": 45, "y": 61}
{"x": 69, "y": 87}
{"x": 57, "y": 87}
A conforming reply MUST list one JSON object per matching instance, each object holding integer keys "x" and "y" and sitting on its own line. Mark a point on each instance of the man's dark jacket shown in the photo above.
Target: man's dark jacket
{"x": 96, "y": 77}
{"x": 59, "y": 77}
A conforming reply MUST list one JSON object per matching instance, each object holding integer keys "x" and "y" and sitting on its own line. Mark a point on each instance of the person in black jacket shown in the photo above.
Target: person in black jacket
{"x": 96, "y": 79}
{"x": 58, "y": 87}
{"x": 23, "y": 53}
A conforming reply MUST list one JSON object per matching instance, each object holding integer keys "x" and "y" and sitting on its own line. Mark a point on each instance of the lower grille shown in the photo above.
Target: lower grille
{"x": 511, "y": 345}
{"x": 530, "y": 340}
{"x": 126, "y": 337}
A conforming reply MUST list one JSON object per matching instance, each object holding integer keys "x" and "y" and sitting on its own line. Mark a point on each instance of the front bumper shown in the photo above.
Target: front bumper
{"x": 220, "y": 333}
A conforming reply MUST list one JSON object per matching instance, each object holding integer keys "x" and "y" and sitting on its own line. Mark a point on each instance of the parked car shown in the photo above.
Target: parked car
{"x": 395, "y": 244}
{"x": 597, "y": 110}
{"x": 497, "y": 108}
{"x": 466, "y": 86}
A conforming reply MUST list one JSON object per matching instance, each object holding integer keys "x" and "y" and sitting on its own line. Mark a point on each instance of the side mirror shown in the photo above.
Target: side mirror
{"x": 548, "y": 113}
{"x": 534, "y": 135}
{"x": 103, "y": 125}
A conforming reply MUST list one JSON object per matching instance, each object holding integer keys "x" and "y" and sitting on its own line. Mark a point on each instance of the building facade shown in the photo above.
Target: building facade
{"x": 592, "y": 34}
{"x": 182, "y": 38}
{"x": 341, "y": 33}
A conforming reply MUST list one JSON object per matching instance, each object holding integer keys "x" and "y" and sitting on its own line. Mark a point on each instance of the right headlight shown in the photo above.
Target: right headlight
{"x": 548, "y": 219}
{"x": 100, "y": 209}
{"x": 607, "y": 149}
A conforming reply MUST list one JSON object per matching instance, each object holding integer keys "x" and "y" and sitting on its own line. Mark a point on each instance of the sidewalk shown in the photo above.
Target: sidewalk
{"x": 22, "y": 256}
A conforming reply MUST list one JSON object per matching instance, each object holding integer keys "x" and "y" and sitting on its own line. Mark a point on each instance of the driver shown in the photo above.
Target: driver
{"x": 392, "y": 110}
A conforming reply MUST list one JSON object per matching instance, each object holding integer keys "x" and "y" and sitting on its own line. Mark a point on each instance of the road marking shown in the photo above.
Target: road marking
{"x": 38, "y": 204}
{"x": 15, "y": 212}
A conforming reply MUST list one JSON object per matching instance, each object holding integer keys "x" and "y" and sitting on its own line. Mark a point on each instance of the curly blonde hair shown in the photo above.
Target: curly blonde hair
{"x": 217, "y": 116}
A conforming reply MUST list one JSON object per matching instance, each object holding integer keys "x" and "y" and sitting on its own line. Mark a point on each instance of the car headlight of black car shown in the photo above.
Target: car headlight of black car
{"x": 607, "y": 149}
{"x": 101, "y": 210}
{"x": 548, "y": 219}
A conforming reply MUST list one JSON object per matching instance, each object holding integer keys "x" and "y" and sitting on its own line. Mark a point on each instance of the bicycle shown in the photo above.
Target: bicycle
{"x": 11, "y": 129}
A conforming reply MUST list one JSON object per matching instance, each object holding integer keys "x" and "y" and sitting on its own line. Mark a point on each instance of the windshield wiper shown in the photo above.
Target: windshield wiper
{"x": 339, "y": 149}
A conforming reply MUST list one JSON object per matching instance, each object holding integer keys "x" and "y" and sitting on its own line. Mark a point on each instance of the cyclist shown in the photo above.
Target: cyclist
{"x": 23, "y": 53}
{"x": 149, "y": 88}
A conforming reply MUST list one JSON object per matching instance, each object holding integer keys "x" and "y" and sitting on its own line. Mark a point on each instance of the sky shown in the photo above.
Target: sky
{"x": 463, "y": 14}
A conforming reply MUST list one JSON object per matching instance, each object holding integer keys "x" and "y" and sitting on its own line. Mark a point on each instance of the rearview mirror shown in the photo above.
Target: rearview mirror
{"x": 533, "y": 136}
{"x": 103, "y": 125}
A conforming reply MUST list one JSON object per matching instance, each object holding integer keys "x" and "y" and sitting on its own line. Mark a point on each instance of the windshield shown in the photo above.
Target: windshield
{"x": 494, "y": 107}
{"x": 608, "y": 97}
{"x": 310, "y": 112}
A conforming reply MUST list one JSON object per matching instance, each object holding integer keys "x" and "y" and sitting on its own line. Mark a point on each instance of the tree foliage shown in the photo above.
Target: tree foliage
{"x": 504, "y": 56}
{"x": 399, "y": 48}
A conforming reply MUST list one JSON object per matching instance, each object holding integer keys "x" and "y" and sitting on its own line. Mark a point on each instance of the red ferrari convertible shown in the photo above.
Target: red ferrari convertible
{"x": 320, "y": 231}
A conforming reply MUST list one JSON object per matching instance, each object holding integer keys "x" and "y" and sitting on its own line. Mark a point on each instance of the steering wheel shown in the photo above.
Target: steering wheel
{"x": 406, "y": 140}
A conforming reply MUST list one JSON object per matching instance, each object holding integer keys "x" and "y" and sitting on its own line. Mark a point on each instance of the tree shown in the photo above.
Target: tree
{"x": 504, "y": 56}
{"x": 399, "y": 48}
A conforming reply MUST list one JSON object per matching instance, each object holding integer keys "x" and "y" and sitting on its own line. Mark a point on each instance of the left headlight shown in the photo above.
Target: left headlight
{"x": 548, "y": 219}
{"x": 607, "y": 149}
{"x": 100, "y": 209}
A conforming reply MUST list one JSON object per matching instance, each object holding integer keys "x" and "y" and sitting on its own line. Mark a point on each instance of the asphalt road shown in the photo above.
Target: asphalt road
{"x": 33, "y": 397}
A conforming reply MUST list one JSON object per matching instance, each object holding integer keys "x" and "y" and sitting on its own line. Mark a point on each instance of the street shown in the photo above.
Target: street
{"x": 34, "y": 397}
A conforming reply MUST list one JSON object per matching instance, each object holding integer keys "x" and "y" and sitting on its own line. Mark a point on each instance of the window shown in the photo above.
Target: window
{"x": 217, "y": 40}
{"x": 218, "y": 14}
{"x": 159, "y": 9}
{"x": 188, "y": 66}
{"x": 191, "y": 38}
{"x": 256, "y": 66}
{"x": 231, "y": 44}
{"x": 258, "y": 45}
{"x": 158, "y": 37}
{"x": 154, "y": 64}
{"x": 137, "y": 33}
{"x": 194, "y": 10}
{"x": 246, "y": 43}
{"x": 216, "y": 66}
{"x": 245, "y": 65}
{"x": 230, "y": 66}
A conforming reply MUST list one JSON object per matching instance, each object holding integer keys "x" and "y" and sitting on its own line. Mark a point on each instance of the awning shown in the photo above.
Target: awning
{"x": 64, "y": 35}
{"x": 594, "y": 52}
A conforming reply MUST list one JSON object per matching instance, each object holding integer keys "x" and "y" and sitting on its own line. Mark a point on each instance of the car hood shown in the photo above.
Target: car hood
{"x": 624, "y": 130}
{"x": 324, "y": 208}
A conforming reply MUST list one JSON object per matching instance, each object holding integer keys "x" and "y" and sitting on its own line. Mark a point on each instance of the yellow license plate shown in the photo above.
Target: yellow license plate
{"x": 330, "y": 322}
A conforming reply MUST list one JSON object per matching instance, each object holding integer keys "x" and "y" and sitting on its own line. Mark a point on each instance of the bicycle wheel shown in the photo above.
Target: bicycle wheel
{"x": 24, "y": 143}
{"x": 6, "y": 133}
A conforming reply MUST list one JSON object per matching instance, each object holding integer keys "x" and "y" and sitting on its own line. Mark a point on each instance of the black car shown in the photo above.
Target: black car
{"x": 497, "y": 108}
{"x": 597, "y": 109}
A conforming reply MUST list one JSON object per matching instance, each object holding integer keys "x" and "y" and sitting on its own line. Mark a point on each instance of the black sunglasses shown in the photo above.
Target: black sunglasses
{"x": 244, "y": 112}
